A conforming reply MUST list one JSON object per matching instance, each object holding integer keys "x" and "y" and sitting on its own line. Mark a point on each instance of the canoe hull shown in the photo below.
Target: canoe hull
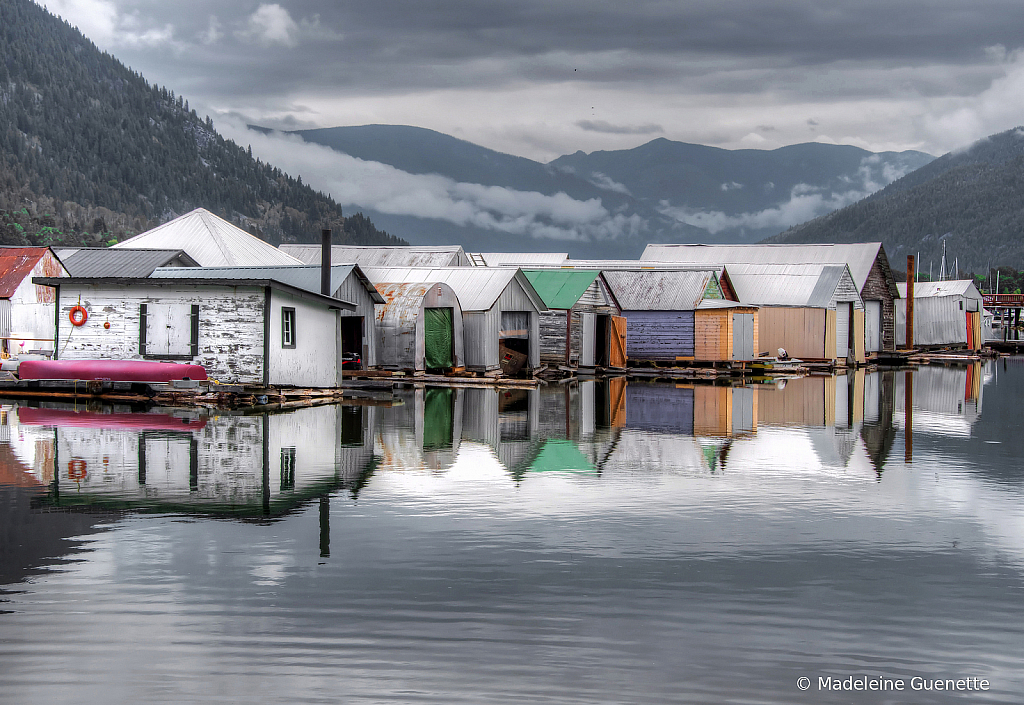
{"x": 109, "y": 370}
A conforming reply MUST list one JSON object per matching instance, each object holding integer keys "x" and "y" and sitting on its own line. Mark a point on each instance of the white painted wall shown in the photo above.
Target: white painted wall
{"x": 315, "y": 361}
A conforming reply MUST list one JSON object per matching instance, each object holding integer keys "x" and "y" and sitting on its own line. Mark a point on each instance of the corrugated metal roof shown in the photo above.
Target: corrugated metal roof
{"x": 131, "y": 284}
{"x": 860, "y": 257}
{"x": 210, "y": 241}
{"x": 373, "y": 256}
{"x": 123, "y": 262}
{"x": 561, "y": 288}
{"x": 810, "y": 285}
{"x": 519, "y": 259}
{"x": 477, "y": 288}
{"x": 301, "y": 276}
{"x": 658, "y": 289}
{"x": 16, "y": 263}
{"x": 952, "y": 287}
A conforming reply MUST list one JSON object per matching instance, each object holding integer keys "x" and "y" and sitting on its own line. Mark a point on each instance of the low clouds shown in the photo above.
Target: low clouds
{"x": 805, "y": 201}
{"x": 608, "y": 128}
{"x": 383, "y": 188}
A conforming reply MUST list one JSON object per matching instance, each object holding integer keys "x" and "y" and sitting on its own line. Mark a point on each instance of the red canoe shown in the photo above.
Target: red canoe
{"x": 90, "y": 419}
{"x": 109, "y": 370}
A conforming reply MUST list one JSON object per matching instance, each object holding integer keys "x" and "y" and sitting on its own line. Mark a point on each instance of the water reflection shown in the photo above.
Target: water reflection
{"x": 600, "y": 541}
{"x": 265, "y": 465}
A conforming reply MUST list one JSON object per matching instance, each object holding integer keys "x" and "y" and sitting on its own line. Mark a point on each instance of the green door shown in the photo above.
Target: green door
{"x": 438, "y": 418}
{"x": 438, "y": 338}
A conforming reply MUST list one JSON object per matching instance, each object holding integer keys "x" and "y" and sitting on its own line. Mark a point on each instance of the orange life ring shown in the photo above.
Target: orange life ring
{"x": 78, "y": 315}
{"x": 76, "y": 469}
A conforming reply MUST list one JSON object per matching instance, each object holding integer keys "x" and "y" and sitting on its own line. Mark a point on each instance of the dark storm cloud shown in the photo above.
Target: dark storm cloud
{"x": 390, "y": 45}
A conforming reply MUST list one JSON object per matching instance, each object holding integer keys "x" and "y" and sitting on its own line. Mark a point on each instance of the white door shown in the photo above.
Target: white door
{"x": 169, "y": 329}
{"x": 842, "y": 330}
{"x": 872, "y": 326}
{"x": 588, "y": 329}
{"x": 743, "y": 336}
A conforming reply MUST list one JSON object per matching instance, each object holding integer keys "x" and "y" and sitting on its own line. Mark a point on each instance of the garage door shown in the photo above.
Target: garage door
{"x": 842, "y": 329}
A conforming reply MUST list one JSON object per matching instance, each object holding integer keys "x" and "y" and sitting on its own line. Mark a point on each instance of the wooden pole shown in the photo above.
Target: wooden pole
{"x": 910, "y": 302}
{"x": 908, "y": 415}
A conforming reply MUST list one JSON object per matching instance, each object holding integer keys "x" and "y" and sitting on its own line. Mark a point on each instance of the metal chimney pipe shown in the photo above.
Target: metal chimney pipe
{"x": 325, "y": 262}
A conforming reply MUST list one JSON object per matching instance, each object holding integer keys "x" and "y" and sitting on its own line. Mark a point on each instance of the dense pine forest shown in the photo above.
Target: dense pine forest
{"x": 91, "y": 153}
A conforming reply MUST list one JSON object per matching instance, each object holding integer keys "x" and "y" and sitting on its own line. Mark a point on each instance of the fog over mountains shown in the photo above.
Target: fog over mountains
{"x": 429, "y": 187}
{"x": 973, "y": 199}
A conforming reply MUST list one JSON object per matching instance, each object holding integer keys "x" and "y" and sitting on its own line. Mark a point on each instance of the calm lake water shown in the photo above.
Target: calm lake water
{"x": 592, "y": 543}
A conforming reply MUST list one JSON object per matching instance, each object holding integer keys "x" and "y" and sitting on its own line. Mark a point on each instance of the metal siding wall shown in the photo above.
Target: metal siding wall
{"x": 938, "y": 320}
{"x": 481, "y": 338}
{"x": 659, "y": 335}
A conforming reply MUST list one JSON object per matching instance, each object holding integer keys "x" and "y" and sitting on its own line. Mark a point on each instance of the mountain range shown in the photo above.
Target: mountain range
{"x": 603, "y": 204}
{"x": 972, "y": 200}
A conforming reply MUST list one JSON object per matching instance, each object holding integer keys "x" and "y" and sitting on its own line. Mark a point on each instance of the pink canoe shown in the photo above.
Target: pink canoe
{"x": 109, "y": 370}
{"x": 90, "y": 419}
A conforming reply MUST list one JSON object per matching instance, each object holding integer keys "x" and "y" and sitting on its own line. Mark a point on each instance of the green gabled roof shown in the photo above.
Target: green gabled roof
{"x": 561, "y": 288}
{"x": 559, "y": 455}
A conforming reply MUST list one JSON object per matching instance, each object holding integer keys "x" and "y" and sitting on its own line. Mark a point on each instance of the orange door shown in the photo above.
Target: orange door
{"x": 617, "y": 342}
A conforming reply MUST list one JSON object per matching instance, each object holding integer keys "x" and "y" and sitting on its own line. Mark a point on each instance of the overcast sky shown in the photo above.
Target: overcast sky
{"x": 541, "y": 78}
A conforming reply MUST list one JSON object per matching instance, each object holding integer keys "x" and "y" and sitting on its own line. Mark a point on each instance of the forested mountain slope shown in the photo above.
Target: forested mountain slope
{"x": 90, "y": 152}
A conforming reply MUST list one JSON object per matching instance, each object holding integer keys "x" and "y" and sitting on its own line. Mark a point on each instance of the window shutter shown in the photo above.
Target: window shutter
{"x": 195, "y": 330}
{"x": 142, "y": 329}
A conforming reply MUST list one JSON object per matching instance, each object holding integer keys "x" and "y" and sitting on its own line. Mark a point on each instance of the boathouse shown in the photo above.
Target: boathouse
{"x": 378, "y": 256}
{"x": 583, "y": 326}
{"x": 869, "y": 268}
{"x": 27, "y": 308}
{"x": 812, "y": 311}
{"x": 660, "y": 309}
{"x": 946, "y": 314}
{"x": 348, "y": 283}
{"x": 419, "y": 326}
{"x": 500, "y": 309}
{"x": 209, "y": 241}
{"x": 251, "y": 331}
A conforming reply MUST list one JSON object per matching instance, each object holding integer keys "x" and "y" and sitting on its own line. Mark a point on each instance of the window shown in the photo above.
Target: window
{"x": 287, "y": 327}
{"x": 288, "y": 468}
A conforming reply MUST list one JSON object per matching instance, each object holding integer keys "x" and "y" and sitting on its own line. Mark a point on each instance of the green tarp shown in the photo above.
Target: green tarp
{"x": 561, "y": 288}
{"x": 438, "y": 417}
{"x": 438, "y": 338}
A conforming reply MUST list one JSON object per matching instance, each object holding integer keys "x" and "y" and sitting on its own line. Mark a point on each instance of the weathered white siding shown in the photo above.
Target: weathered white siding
{"x": 32, "y": 309}
{"x": 315, "y": 361}
{"x": 230, "y": 344}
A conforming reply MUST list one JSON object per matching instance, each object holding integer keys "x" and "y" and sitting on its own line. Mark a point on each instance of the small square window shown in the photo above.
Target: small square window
{"x": 287, "y": 327}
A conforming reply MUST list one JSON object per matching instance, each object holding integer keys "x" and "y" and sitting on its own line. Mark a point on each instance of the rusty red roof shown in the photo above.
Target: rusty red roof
{"x": 16, "y": 263}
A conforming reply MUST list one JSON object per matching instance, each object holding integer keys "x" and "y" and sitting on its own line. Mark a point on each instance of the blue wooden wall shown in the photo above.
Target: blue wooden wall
{"x": 659, "y": 335}
{"x": 659, "y": 407}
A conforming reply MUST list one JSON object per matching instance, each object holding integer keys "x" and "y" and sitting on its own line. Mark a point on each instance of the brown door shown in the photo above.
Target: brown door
{"x": 617, "y": 342}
